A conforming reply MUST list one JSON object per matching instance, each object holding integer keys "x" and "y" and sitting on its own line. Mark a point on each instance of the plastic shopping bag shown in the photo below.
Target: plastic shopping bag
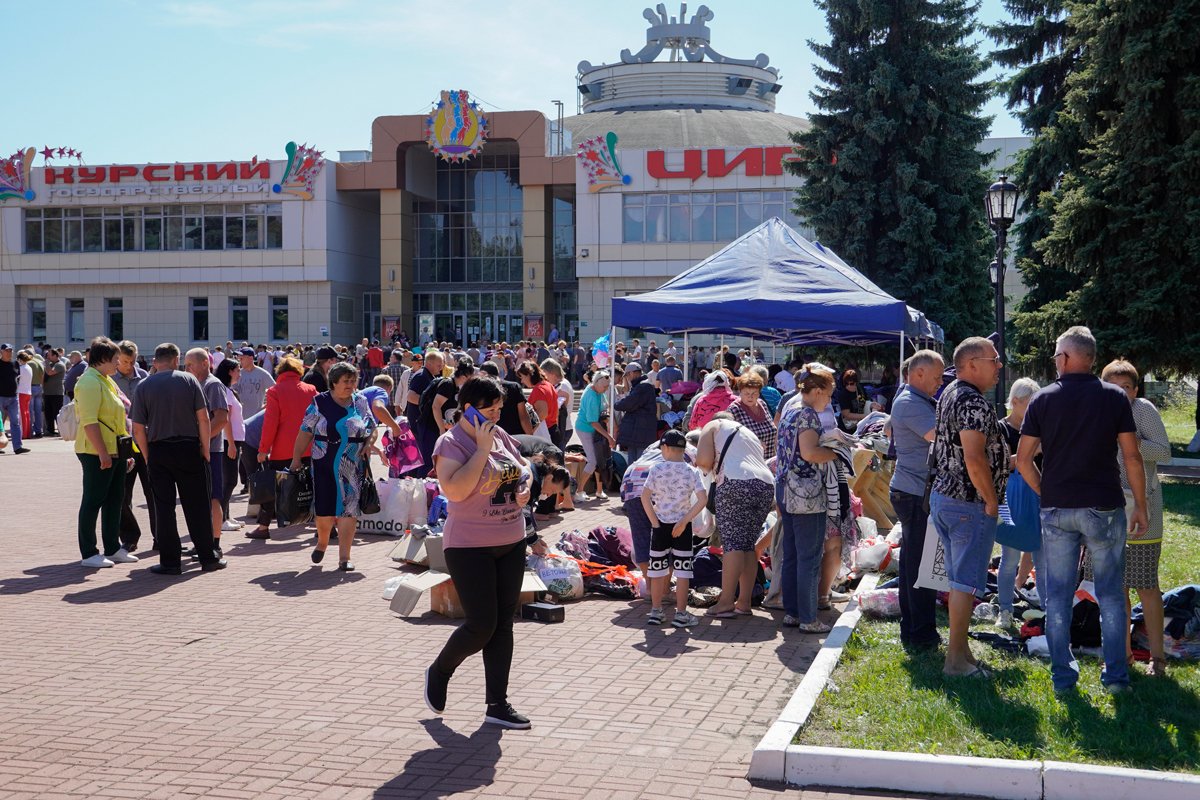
{"x": 294, "y": 496}
{"x": 560, "y": 573}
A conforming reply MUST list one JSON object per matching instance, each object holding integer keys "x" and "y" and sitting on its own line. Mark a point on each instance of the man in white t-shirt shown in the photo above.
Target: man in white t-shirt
{"x": 785, "y": 381}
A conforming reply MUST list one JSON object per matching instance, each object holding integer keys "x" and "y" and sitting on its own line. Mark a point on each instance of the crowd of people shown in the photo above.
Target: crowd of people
{"x": 494, "y": 424}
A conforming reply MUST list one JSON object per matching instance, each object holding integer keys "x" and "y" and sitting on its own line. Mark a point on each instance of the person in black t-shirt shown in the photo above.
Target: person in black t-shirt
{"x": 513, "y": 417}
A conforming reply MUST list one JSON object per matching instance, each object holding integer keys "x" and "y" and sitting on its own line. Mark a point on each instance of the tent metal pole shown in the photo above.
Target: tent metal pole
{"x": 753, "y": 360}
{"x": 612, "y": 382}
{"x": 900, "y": 369}
{"x": 687, "y": 356}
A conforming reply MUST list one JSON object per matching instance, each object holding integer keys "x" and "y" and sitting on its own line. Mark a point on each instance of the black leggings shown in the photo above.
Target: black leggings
{"x": 488, "y": 580}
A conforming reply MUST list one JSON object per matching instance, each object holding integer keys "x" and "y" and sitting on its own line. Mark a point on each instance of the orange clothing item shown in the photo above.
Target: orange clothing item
{"x": 286, "y": 403}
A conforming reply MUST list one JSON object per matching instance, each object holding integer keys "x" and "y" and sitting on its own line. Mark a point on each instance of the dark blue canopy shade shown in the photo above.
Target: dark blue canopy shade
{"x": 772, "y": 283}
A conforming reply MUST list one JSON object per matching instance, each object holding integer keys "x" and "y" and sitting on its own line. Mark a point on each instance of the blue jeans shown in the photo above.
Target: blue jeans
{"x": 1064, "y": 532}
{"x": 36, "y": 417}
{"x": 11, "y": 408}
{"x": 803, "y": 546}
{"x": 967, "y": 536}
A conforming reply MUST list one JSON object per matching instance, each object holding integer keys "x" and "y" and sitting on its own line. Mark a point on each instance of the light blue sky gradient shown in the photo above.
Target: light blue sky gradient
{"x": 195, "y": 80}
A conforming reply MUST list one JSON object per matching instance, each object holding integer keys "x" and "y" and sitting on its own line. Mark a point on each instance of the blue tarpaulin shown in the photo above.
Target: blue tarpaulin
{"x": 773, "y": 284}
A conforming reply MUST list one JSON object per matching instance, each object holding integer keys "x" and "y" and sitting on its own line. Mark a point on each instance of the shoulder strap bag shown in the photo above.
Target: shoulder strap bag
{"x": 711, "y": 504}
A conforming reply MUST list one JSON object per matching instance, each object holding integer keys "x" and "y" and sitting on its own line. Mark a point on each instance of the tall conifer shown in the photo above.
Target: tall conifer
{"x": 893, "y": 171}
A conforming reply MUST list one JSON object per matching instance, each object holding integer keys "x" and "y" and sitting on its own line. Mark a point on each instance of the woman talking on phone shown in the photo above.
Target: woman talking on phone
{"x": 486, "y": 483}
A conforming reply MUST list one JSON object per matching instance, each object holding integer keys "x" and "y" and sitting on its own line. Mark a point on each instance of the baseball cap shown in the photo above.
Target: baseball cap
{"x": 674, "y": 438}
{"x": 633, "y": 366}
{"x": 326, "y": 352}
{"x": 246, "y": 351}
{"x": 5, "y": 346}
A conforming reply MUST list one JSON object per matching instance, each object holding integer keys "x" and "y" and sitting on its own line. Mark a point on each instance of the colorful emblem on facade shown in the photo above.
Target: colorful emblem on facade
{"x": 303, "y": 166}
{"x": 456, "y": 127}
{"x": 599, "y": 159}
{"x": 14, "y": 175}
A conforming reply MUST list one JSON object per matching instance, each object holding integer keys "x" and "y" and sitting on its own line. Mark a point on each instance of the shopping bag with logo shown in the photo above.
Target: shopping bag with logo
{"x": 294, "y": 496}
{"x": 402, "y": 453}
{"x": 932, "y": 574}
{"x": 392, "y": 517}
{"x": 560, "y": 573}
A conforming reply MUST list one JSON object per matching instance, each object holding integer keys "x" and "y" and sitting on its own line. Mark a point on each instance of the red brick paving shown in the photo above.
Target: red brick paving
{"x": 278, "y": 679}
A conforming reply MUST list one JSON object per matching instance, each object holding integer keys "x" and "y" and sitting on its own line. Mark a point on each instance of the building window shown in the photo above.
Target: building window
{"x": 472, "y": 231}
{"x": 37, "y": 320}
{"x": 199, "y": 319}
{"x": 345, "y": 310}
{"x": 703, "y": 216}
{"x": 114, "y": 322}
{"x": 75, "y": 325}
{"x": 212, "y": 226}
{"x": 564, "y": 235}
{"x": 279, "y": 318}
{"x": 239, "y": 319}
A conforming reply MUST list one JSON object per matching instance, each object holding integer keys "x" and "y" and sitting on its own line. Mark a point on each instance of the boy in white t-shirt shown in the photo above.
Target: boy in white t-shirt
{"x": 672, "y": 496}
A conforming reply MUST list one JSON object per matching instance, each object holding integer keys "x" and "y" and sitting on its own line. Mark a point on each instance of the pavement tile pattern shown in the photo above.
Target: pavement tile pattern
{"x": 276, "y": 678}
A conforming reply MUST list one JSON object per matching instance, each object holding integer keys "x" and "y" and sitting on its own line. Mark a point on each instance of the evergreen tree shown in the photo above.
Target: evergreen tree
{"x": 893, "y": 172}
{"x": 1037, "y": 45}
{"x": 1127, "y": 219}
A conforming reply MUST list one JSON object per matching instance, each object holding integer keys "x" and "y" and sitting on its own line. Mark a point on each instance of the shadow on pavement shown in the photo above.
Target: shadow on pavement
{"x": 50, "y": 576}
{"x": 298, "y": 584}
{"x": 457, "y": 764}
{"x": 139, "y": 583}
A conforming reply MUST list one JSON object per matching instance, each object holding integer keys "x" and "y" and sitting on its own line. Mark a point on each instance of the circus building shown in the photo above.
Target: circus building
{"x": 459, "y": 223}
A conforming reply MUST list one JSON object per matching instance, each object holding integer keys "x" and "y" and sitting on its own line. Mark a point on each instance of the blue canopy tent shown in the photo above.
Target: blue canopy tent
{"x": 771, "y": 284}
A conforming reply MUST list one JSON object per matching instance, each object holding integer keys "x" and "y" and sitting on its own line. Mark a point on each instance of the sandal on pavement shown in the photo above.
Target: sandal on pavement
{"x": 743, "y": 613}
{"x": 814, "y": 627}
{"x": 712, "y": 612}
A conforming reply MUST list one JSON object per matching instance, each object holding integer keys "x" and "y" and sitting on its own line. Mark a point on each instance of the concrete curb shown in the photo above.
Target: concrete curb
{"x": 777, "y": 760}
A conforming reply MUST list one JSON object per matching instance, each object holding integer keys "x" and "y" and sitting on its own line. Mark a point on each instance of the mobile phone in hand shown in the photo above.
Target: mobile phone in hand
{"x": 473, "y": 416}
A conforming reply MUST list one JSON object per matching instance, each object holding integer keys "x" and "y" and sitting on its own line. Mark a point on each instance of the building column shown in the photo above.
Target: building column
{"x": 396, "y": 243}
{"x": 538, "y": 242}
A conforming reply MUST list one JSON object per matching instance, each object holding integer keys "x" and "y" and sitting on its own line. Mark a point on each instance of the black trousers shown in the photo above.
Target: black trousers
{"x": 488, "y": 580}
{"x": 177, "y": 465}
{"x": 230, "y": 465}
{"x": 918, "y": 620}
{"x": 51, "y": 405}
{"x": 131, "y": 532}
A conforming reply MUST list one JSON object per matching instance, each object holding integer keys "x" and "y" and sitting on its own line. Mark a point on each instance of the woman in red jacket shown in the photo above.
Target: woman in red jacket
{"x": 286, "y": 403}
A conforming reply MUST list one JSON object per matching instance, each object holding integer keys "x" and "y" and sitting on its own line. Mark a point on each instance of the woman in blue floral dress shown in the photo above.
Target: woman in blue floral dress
{"x": 340, "y": 425}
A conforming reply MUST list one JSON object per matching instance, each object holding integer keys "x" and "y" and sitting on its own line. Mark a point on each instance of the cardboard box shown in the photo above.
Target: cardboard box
{"x": 415, "y": 550}
{"x": 443, "y": 597}
{"x": 543, "y": 612}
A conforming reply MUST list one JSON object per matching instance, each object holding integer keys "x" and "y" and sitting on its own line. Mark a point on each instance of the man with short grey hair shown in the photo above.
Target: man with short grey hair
{"x": 1079, "y": 421}
{"x": 971, "y": 461}
{"x": 912, "y": 426}
{"x": 196, "y": 362}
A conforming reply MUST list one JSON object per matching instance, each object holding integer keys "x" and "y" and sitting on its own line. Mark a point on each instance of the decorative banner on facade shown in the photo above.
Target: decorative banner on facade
{"x": 599, "y": 159}
{"x": 391, "y": 329}
{"x": 303, "y": 166}
{"x": 14, "y": 175}
{"x": 535, "y": 326}
{"x": 456, "y": 128}
{"x": 424, "y": 328}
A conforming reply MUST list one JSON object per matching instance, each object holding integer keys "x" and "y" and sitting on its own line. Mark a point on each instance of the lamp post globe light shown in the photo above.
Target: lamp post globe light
{"x": 1000, "y": 202}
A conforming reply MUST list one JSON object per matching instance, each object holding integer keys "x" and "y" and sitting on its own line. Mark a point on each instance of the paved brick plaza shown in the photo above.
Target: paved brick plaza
{"x": 274, "y": 678}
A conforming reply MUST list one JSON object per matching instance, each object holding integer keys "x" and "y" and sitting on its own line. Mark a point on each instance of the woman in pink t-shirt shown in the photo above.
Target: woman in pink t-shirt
{"x": 486, "y": 483}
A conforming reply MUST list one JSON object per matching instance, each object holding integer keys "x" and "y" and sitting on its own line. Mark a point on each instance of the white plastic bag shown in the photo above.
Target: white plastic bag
{"x": 880, "y": 603}
{"x": 561, "y": 575}
{"x": 896, "y": 535}
{"x": 394, "y": 504}
{"x": 872, "y": 555}
{"x": 867, "y": 528}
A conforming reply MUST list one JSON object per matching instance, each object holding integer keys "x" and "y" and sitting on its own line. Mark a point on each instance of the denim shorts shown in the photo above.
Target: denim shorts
{"x": 967, "y": 536}
{"x": 639, "y": 526}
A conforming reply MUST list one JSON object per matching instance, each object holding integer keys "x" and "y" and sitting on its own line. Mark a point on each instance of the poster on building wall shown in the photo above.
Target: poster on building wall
{"x": 391, "y": 329}
{"x": 534, "y": 328}
{"x": 424, "y": 328}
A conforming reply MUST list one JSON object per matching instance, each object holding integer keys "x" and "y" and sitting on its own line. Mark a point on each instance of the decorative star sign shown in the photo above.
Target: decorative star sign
{"x": 47, "y": 153}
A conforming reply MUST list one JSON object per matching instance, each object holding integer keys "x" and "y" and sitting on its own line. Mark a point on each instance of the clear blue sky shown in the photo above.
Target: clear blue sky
{"x": 195, "y": 80}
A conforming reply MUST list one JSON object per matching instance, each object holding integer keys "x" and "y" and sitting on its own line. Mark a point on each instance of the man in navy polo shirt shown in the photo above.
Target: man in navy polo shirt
{"x": 912, "y": 423}
{"x": 1079, "y": 421}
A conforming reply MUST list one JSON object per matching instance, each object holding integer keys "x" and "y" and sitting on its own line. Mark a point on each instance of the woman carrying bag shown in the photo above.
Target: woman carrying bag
{"x": 340, "y": 427}
{"x": 99, "y": 446}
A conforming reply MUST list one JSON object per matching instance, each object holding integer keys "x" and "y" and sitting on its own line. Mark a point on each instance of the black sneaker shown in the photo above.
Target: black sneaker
{"x": 435, "y": 690}
{"x": 507, "y": 716}
{"x": 20, "y": 451}
{"x": 213, "y": 566}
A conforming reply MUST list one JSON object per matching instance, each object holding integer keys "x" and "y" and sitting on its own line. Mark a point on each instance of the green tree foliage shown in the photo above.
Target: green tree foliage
{"x": 1126, "y": 220}
{"x": 1037, "y": 45}
{"x": 893, "y": 173}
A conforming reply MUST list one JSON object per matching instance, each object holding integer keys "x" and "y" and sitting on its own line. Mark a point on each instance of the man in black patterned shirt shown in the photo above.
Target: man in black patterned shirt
{"x": 971, "y": 462}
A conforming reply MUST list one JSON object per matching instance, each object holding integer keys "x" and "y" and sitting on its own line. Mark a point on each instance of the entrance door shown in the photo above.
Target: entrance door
{"x": 443, "y": 327}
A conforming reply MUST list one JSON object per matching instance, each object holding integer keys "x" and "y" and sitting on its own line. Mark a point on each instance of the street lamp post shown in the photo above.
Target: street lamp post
{"x": 1000, "y": 201}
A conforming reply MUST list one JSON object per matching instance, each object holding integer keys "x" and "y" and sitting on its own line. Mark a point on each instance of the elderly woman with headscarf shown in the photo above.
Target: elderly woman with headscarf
{"x": 715, "y": 397}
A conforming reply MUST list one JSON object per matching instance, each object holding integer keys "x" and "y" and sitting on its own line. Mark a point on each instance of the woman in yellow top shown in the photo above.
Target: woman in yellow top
{"x": 101, "y": 416}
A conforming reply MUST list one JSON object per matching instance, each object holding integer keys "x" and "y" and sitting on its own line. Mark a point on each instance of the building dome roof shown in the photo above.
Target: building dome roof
{"x": 655, "y": 129}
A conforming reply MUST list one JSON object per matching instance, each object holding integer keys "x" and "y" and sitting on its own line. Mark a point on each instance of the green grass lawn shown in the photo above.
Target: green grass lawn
{"x": 1180, "y": 419}
{"x": 880, "y": 698}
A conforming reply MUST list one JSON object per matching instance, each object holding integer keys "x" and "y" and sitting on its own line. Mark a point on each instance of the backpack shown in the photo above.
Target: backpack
{"x": 425, "y": 406}
{"x": 67, "y": 423}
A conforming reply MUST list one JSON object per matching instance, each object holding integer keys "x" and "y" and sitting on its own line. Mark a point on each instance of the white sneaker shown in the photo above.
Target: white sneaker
{"x": 1005, "y": 619}
{"x": 601, "y": 496}
{"x": 96, "y": 561}
{"x": 122, "y": 556}
{"x": 684, "y": 619}
{"x": 580, "y": 497}
{"x": 230, "y": 525}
